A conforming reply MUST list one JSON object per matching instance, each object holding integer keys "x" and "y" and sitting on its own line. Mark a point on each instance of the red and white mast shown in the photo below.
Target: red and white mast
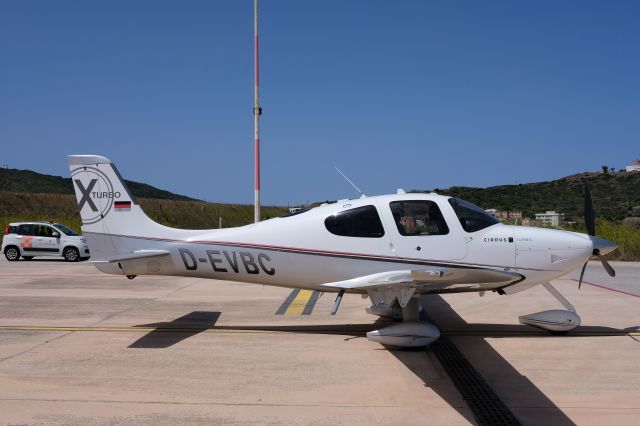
{"x": 257, "y": 111}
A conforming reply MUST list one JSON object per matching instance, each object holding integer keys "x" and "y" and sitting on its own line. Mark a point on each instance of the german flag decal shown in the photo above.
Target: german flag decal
{"x": 122, "y": 206}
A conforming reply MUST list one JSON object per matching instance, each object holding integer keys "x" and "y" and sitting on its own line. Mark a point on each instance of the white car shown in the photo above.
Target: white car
{"x": 29, "y": 239}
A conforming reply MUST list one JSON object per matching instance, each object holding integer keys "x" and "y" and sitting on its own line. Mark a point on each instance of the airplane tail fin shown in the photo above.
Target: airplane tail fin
{"x": 110, "y": 213}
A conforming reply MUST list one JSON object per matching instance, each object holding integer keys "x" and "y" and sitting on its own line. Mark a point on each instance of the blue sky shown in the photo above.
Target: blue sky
{"x": 412, "y": 94}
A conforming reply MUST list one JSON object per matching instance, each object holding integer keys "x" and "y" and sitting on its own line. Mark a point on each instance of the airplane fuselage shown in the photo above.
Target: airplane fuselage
{"x": 300, "y": 250}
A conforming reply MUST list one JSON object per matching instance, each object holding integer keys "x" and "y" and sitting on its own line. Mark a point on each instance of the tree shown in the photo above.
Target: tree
{"x": 605, "y": 169}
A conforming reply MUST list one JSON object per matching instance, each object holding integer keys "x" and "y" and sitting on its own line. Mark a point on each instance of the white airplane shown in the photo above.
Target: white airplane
{"x": 391, "y": 248}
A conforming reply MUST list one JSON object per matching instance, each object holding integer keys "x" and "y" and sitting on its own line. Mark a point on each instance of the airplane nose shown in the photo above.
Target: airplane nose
{"x": 602, "y": 245}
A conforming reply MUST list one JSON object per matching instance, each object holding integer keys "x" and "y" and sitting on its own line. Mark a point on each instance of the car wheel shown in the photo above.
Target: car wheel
{"x": 27, "y": 257}
{"x": 12, "y": 253}
{"x": 71, "y": 254}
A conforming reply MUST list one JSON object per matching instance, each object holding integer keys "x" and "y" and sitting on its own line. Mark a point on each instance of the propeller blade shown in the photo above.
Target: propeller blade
{"x": 606, "y": 265}
{"x": 582, "y": 274}
{"x": 589, "y": 215}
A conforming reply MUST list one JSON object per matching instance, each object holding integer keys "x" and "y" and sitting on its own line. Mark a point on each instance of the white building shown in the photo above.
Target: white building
{"x": 635, "y": 167}
{"x": 550, "y": 218}
{"x": 492, "y": 212}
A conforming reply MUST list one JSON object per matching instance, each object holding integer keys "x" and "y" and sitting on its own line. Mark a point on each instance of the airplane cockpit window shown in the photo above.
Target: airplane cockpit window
{"x": 472, "y": 218}
{"x": 359, "y": 222}
{"x": 418, "y": 218}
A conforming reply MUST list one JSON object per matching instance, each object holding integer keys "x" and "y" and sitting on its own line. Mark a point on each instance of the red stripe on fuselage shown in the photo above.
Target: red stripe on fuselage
{"x": 328, "y": 253}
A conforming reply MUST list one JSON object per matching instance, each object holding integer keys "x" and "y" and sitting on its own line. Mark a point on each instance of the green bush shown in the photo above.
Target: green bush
{"x": 626, "y": 236}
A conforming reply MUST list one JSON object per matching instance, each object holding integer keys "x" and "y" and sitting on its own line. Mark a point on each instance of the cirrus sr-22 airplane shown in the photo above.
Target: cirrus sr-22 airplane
{"x": 391, "y": 248}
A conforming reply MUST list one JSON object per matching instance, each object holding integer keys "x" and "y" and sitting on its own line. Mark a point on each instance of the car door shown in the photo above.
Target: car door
{"x": 420, "y": 230}
{"x": 44, "y": 240}
{"x": 25, "y": 239}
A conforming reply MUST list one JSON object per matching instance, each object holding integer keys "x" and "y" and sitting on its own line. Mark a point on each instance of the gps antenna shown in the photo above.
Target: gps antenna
{"x": 362, "y": 194}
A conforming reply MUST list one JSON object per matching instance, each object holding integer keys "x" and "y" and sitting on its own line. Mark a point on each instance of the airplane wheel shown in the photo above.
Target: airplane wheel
{"x": 131, "y": 276}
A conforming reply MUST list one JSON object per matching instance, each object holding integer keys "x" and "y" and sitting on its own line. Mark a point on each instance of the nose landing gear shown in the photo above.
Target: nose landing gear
{"x": 554, "y": 320}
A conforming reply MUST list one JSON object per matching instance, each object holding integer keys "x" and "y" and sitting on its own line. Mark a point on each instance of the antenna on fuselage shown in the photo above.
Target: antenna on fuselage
{"x": 362, "y": 194}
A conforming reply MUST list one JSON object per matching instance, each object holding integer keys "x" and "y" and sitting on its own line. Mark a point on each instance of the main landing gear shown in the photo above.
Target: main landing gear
{"x": 401, "y": 304}
{"x": 554, "y": 320}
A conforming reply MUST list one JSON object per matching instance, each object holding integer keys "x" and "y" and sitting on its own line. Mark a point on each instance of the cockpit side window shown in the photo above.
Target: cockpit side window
{"x": 418, "y": 218}
{"x": 361, "y": 222}
{"x": 472, "y": 218}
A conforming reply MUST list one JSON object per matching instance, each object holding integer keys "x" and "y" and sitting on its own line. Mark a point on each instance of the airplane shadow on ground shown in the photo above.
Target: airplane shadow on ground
{"x": 539, "y": 407}
{"x": 167, "y": 334}
{"x": 420, "y": 362}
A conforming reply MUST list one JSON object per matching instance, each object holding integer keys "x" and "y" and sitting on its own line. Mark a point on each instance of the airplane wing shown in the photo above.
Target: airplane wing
{"x": 138, "y": 254}
{"x": 431, "y": 280}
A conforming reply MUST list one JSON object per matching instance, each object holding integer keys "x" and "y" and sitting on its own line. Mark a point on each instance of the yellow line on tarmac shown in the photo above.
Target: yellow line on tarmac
{"x": 297, "y": 306}
{"x": 144, "y": 329}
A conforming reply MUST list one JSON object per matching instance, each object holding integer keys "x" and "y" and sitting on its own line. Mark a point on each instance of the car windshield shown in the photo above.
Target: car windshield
{"x": 66, "y": 230}
{"x": 472, "y": 218}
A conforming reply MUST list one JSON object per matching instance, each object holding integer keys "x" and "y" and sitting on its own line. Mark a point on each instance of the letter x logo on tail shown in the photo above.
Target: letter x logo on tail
{"x": 85, "y": 194}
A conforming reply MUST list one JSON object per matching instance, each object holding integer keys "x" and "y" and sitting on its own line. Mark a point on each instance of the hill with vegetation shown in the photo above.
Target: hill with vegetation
{"x": 63, "y": 208}
{"x": 14, "y": 180}
{"x": 27, "y": 195}
{"x": 615, "y": 196}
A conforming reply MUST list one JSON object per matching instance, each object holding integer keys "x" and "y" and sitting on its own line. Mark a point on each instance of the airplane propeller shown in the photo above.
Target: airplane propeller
{"x": 590, "y": 222}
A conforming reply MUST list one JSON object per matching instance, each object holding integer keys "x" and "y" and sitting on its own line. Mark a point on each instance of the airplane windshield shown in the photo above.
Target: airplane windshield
{"x": 472, "y": 218}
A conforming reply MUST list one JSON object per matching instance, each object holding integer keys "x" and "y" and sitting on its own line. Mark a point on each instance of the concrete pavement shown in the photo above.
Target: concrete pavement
{"x": 97, "y": 351}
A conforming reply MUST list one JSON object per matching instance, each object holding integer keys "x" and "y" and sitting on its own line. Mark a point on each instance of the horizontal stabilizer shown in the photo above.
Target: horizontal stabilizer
{"x": 138, "y": 254}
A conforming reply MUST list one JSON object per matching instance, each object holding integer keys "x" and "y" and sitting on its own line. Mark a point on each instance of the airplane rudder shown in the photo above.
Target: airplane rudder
{"x": 100, "y": 190}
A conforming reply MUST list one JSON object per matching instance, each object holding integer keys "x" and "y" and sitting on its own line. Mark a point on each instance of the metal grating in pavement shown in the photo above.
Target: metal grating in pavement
{"x": 486, "y": 406}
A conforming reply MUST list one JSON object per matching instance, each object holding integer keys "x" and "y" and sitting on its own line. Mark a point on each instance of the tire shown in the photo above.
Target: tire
{"x": 71, "y": 254}
{"x": 27, "y": 257}
{"x": 12, "y": 253}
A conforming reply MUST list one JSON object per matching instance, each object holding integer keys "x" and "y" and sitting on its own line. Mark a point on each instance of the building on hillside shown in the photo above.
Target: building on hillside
{"x": 505, "y": 214}
{"x": 634, "y": 167}
{"x": 550, "y": 218}
{"x": 513, "y": 214}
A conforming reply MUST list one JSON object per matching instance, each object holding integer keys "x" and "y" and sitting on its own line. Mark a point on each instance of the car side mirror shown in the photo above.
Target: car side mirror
{"x": 55, "y": 234}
